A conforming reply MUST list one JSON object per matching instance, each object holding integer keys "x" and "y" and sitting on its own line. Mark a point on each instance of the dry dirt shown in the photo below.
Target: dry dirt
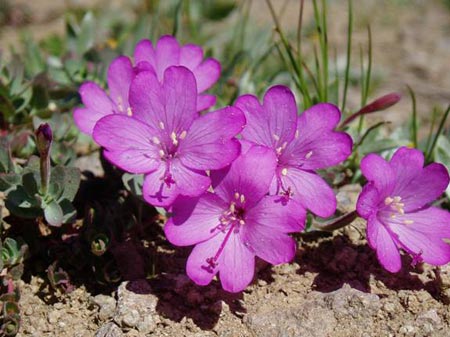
{"x": 335, "y": 286}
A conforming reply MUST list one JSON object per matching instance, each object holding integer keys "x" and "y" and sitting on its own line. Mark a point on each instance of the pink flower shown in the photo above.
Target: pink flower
{"x": 165, "y": 138}
{"x": 396, "y": 204}
{"x": 168, "y": 52}
{"x": 302, "y": 145}
{"x": 236, "y": 222}
{"x": 121, "y": 73}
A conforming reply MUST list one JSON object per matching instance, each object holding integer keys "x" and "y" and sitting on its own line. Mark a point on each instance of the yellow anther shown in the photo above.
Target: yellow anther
{"x": 397, "y": 199}
{"x": 408, "y": 222}
{"x": 284, "y": 171}
{"x": 161, "y": 153}
{"x": 129, "y": 111}
{"x": 308, "y": 155}
{"x": 276, "y": 137}
{"x": 156, "y": 140}
{"x": 183, "y": 134}
{"x": 161, "y": 125}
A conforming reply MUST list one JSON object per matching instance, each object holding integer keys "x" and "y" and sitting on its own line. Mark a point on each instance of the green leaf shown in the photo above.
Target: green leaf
{"x": 8, "y": 181}
{"x": 64, "y": 182}
{"x": 53, "y": 213}
{"x": 69, "y": 212}
{"x": 133, "y": 183}
{"x": 86, "y": 35}
{"x": 21, "y": 204}
{"x": 6, "y": 163}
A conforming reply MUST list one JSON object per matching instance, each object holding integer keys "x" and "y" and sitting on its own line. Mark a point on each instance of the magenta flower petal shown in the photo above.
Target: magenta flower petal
{"x": 273, "y": 123}
{"x": 144, "y": 52}
{"x": 425, "y": 241}
{"x": 277, "y": 214}
{"x": 209, "y": 144}
{"x": 197, "y": 268}
{"x": 127, "y": 142}
{"x": 396, "y": 204}
{"x": 160, "y": 105}
{"x": 251, "y": 174}
{"x": 237, "y": 265}
{"x": 414, "y": 196}
{"x": 205, "y": 102}
{"x": 270, "y": 245}
{"x": 167, "y": 54}
{"x": 97, "y": 103}
{"x": 191, "y": 56}
{"x": 319, "y": 118}
{"x": 158, "y": 189}
{"x": 312, "y": 152}
{"x": 120, "y": 75}
{"x": 404, "y": 157}
{"x": 387, "y": 251}
{"x": 206, "y": 74}
{"x": 192, "y": 182}
{"x": 310, "y": 190}
{"x": 194, "y": 219}
{"x": 376, "y": 169}
{"x": 368, "y": 201}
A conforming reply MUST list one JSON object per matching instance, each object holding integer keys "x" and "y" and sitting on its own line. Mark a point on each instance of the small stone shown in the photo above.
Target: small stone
{"x": 136, "y": 307}
{"x": 109, "y": 330}
{"x": 106, "y": 304}
{"x": 131, "y": 318}
{"x": 53, "y": 316}
{"x": 389, "y": 307}
{"x": 28, "y": 310}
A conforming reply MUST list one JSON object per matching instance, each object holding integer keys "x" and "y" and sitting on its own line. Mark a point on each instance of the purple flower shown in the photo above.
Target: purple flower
{"x": 121, "y": 73}
{"x": 98, "y": 103}
{"x": 166, "y": 139}
{"x": 168, "y": 52}
{"x": 236, "y": 222}
{"x": 395, "y": 203}
{"x": 302, "y": 145}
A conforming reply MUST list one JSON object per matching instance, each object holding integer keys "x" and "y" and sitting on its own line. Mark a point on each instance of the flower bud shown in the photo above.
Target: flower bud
{"x": 44, "y": 137}
{"x": 379, "y": 104}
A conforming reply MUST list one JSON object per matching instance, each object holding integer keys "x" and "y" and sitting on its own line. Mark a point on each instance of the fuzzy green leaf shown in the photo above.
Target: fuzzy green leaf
{"x": 53, "y": 213}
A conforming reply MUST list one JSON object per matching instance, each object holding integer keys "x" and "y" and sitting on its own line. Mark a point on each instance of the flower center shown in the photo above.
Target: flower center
{"x": 229, "y": 223}
{"x": 168, "y": 146}
{"x": 395, "y": 208}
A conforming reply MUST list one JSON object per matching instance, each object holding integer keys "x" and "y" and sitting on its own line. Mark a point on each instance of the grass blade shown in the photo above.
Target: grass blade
{"x": 439, "y": 131}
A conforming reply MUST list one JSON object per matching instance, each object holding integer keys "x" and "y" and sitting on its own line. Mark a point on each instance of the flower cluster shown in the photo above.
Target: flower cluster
{"x": 240, "y": 179}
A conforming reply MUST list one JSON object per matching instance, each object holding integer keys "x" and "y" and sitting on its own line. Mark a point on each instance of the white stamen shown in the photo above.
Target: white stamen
{"x": 242, "y": 198}
{"x": 308, "y": 155}
{"x": 161, "y": 125}
{"x": 183, "y": 134}
{"x": 241, "y": 222}
{"x": 297, "y": 134}
{"x": 161, "y": 153}
{"x": 156, "y": 140}
{"x": 173, "y": 136}
{"x": 232, "y": 207}
{"x": 236, "y": 195}
{"x": 397, "y": 198}
{"x": 129, "y": 111}
{"x": 388, "y": 201}
{"x": 284, "y": 171}
{"x": 276, "y": 137}
{"x": 408, "y": 222}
